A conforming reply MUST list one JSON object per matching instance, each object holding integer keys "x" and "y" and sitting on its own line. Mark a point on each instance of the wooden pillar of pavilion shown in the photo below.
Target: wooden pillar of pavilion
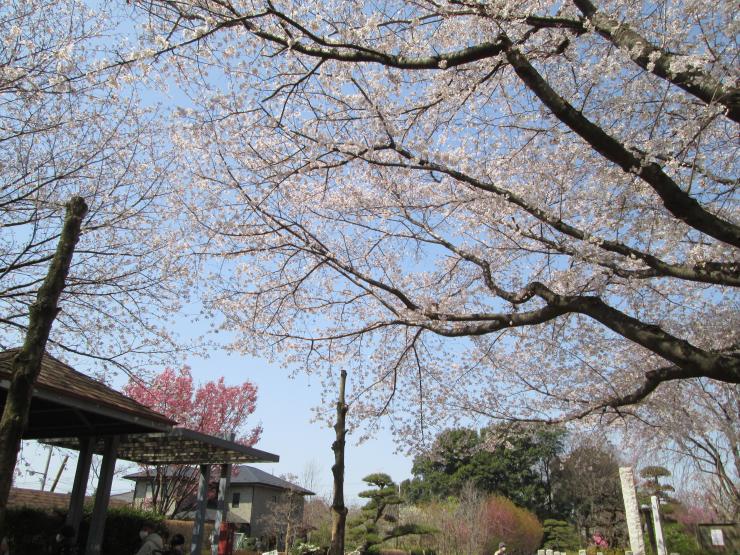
{"x": 196, "y": 544}
{"x": 102, "y": 496}
{"x": 82, "y": 474}
{"x": 222, "y": 510}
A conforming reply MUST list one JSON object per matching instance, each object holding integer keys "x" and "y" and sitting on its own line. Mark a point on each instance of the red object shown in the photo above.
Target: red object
{"x": 226, "y": 538}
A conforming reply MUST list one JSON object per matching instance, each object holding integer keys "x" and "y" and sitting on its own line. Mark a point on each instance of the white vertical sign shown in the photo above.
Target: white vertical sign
{"x": 631, "y": 510}
{"x": 659, "y": 543}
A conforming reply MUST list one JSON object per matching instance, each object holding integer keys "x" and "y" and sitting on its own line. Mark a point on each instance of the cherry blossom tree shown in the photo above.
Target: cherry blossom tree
{"x": 73, "y": 123}
{"x": 213, "y": 408}
{"x": 700, "y": 431}
{"x": 502, "y": 209}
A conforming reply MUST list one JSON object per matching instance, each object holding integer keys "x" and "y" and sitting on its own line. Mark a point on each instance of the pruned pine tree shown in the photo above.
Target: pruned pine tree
{"x": 378, "y": 521}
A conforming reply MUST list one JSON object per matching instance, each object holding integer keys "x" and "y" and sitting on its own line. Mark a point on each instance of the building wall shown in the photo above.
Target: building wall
{"x": 142, "y": 492}
{"x": 256, "y": 503}
{"x": 242, "y": 513}
{"x": 269, "y": 500}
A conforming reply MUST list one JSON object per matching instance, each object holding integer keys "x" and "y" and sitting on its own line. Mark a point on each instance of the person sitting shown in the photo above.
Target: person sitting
{"x": 177, "y": 544}
{"x": 152, "y": 541}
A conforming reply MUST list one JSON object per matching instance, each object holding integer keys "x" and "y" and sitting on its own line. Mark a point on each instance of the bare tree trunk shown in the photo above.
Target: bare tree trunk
{"x": 338, "y": 510}
{"x": 289, "y": 522}
{"x": 26, "y": 364}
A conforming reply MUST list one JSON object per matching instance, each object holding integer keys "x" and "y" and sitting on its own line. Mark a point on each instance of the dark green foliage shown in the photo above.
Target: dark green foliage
{"x": 122, "y": 529}
{"x": 515, "y": 461}
{"x": 559, "y": 535}
{"x": 368, "y": 530}
{"x": 589, "y": 492}
{"x": 593, "y": 550}
{"x": 419, "y": 551}
{"x": 652, "y": 484}
{"x": 32, "y": 531}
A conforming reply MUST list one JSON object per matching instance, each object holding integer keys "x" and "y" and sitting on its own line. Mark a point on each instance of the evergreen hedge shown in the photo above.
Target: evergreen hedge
{"x": 33, "y": 531}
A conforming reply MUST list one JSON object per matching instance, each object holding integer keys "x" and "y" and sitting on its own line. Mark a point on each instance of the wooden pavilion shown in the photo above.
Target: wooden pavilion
{"x": 72, "y": 410}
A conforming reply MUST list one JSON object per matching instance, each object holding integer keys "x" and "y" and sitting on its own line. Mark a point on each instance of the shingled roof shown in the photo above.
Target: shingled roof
{"x": 47, "y": 500}
{"x": 244, "y": 474}
{"x": 68, "y": 403}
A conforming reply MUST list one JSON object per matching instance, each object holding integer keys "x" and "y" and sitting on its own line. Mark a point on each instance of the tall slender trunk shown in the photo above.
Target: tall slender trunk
{"x": 338, "y": 510}
{"x": 289, "y": 523}
{"x": 26, "y": 364}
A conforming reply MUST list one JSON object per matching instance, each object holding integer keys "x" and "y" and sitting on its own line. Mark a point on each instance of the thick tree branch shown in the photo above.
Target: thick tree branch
{"x": 676, "y": 201}
{"x": 692, "y": 360}
{"x": 26, "y": 363}
{"x": 658, "y": 61}
{"x": 652, "y": 379}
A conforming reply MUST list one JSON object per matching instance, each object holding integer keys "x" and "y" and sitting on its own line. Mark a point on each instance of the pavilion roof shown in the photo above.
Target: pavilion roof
{"x": 68, "y": 405}
{"x": 176, "y": 446}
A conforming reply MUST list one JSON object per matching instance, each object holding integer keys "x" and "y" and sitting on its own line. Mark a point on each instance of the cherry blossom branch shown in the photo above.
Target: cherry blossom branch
{"x": 706, "y": 272}
{"x": 676, "y": 201}
{"x": 666, "y": 65}
{"x": 693, "y": 361}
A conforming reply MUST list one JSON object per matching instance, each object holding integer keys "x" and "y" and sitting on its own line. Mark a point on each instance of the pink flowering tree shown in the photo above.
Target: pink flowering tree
{"x": 213, "y": 408}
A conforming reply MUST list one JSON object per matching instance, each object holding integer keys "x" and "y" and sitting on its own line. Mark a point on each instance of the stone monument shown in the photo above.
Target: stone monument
{"x": 632, "y": 510}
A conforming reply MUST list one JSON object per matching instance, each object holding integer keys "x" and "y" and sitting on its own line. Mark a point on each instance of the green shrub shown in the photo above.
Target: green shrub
{"x": 122, "y": 528}
{"x": 303, "y": 548}
{"x": 559, "y": 535}
{"x": 32, "y": 531}
{"x": 678, "y": 541}
{"x": 593, "y": 550}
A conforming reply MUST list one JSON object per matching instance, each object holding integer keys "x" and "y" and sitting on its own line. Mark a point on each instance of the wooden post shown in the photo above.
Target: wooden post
{"x": 26, "y": 364}
{"x": 82, "y": 473}
{"x": 222, "y": 508}
{"x": 196, "y": 544}
{"x": 102, "y": 496}
{"x": 338, "y": 510}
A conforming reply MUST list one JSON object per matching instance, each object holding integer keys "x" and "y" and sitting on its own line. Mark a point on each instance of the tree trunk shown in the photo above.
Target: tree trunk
{"x": 338, "y": 510}
{"x": 289, "y": 523}
{"x": 26, "y": 364}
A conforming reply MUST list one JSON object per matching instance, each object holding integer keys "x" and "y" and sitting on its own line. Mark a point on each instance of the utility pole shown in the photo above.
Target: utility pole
{"x": 46, "y": 468}
{"x": 59, "y": 474}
